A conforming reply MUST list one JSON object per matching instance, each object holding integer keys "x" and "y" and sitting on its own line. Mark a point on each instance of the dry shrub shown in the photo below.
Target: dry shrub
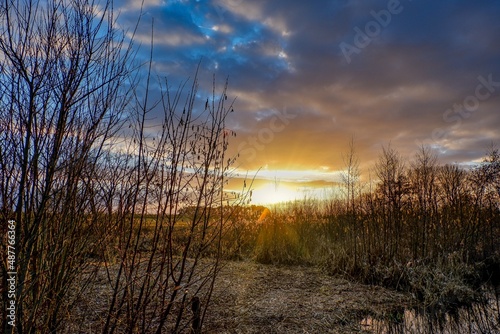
{"x": 446, "y": 285}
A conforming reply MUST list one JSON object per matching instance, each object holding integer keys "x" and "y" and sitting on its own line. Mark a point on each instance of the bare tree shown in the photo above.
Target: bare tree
{"x": 454, "y": 199}
{"x": 177, "y": 175}
{"x": 351, "y": 178}
{"x": 391, "y": 172}
{"x": 62, "y": 64}
{"x": 422, "y": 177}
{"x": 485, "y": 186}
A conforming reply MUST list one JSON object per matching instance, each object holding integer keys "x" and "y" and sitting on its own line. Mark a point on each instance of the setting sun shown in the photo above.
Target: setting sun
{"x": 272, "y": 193}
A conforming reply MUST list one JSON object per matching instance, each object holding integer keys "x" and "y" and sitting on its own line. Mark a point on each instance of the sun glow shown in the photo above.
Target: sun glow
{"x": 272, "y": 193}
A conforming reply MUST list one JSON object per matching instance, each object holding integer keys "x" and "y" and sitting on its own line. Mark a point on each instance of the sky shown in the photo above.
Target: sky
{"x": 310, "y": 75}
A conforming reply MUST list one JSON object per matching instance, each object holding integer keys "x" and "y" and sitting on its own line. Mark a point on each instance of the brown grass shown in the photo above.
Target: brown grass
{"x": 257, "y": 298}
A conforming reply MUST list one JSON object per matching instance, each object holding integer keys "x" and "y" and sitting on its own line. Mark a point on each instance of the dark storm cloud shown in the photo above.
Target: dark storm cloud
{"x": 426, "y": 58}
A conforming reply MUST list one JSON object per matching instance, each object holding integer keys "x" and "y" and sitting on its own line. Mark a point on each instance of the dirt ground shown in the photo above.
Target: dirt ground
{"x": 254, "y": 298}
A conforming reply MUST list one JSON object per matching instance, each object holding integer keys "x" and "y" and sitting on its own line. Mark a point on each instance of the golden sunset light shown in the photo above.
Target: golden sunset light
{"x": 271, "y": 193}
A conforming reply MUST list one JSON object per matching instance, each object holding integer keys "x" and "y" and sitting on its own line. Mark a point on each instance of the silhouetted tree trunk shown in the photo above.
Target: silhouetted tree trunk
{"x": 423, "y": 182}
{"x": 390, "y": 170}
{"x": 350, "y": 179}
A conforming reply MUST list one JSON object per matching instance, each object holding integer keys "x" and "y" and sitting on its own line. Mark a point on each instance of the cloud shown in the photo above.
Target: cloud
{"x": 285, "y": 54}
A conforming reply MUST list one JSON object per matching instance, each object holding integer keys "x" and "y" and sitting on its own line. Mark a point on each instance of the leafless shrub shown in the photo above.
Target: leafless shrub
{"x": 175, "y": 213}
{"x": 91, "y": 195}
{"x": 62, "y": 64}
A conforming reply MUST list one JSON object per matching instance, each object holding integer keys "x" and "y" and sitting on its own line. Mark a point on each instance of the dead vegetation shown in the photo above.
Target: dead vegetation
{"x": 254, "y": 298}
